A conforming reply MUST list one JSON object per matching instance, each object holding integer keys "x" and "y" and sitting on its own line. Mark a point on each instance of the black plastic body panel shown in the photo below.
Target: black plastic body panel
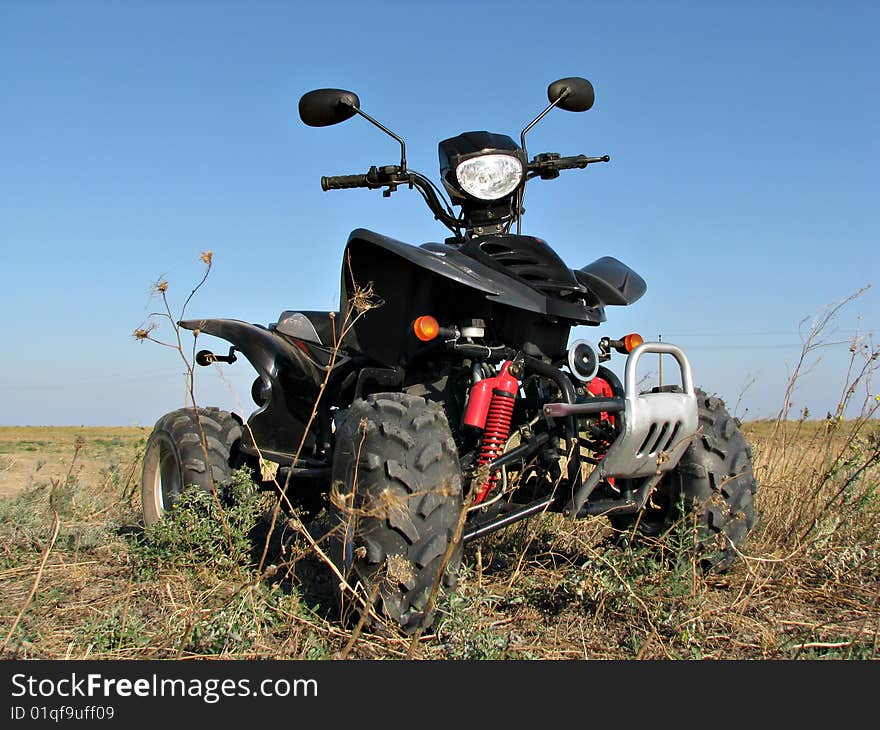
{"x": 309, "y": 326}
{"x": 529, "y": 260}
{"x": 612, "y": 281}
{"x": 443, "y": 281}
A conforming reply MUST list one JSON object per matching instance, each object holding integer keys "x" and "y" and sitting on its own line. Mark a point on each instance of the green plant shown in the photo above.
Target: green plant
{"x": 119, "y": 629}
{"x": 193, "y": 534}
{"x": 465, "y": 631}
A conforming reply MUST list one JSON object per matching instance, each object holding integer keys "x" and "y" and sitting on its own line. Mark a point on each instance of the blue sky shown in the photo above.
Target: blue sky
{"x": 743, "y": 182}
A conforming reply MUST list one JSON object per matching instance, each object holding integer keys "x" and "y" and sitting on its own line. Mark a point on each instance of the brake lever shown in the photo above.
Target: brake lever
{"x": 544, "y": 166}
{"x": 388, "y": 177}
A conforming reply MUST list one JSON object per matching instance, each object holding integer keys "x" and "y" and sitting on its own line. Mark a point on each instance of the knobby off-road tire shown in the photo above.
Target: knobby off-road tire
{"x": 397, "y": 496}
{"x": 174, "y": 457}
{"x": 714, "y": 482}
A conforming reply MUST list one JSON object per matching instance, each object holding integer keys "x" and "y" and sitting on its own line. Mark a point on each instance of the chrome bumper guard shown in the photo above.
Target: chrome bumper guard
{"x": 657, "y": 427}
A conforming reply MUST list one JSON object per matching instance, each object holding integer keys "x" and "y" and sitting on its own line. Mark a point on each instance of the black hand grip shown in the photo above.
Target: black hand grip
{"x": 343, "y": 182}
{"x": 579, "y": 161}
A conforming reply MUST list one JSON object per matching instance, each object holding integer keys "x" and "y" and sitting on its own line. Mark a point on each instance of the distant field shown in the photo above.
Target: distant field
{"x": 29, "y": 454}
{"x": 33, "y": 454}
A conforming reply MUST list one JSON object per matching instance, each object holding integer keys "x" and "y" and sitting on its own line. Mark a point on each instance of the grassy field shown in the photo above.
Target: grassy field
{"x": 79, "y": 578}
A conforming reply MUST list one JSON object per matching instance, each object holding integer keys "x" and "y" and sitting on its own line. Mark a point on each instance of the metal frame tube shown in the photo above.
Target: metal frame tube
{"x": 632, "y": 362}
{"x": 507, "y": 520}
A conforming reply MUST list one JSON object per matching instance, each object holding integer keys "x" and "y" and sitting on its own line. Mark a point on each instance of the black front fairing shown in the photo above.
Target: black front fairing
{"x": 532, "y": 262}
{"x": 516, "y": 283}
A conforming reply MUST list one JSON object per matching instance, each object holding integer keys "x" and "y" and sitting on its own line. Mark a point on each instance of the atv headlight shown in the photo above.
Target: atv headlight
{"x": 489, "y": 177}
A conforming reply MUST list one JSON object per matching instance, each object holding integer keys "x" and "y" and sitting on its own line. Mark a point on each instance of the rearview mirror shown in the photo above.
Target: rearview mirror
{"x": 323, "y": 107}
{"x": 577, "y": 93}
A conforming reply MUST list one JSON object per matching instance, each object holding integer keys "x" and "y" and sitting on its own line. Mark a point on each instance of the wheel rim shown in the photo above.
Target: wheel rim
{"x": 161, "y": 478}
{"x": 168, "y": 477}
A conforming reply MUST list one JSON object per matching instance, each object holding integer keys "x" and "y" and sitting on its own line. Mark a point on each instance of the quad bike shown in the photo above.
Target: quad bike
{"x": 444, "y": 401}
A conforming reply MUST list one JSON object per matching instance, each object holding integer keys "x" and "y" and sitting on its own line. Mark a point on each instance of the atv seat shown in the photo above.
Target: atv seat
{"x": 315, "y": 327}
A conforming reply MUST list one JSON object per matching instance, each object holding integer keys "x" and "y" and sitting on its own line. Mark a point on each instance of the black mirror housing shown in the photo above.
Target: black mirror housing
{"x": 323, "y": 107}
{"x": 577, "y": 93}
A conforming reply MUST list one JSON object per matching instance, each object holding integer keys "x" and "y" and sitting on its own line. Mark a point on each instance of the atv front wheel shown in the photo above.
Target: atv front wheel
{"x": 714, "y": 483}
{"x": 175, "y": 458}
{"x": 397, "y": 497}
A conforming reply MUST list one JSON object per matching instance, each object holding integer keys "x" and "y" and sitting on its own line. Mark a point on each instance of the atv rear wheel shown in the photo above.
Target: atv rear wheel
{"x": 397, "y": 497}
{"x": 175, "y": 458}
{"x": 714, "y": 483}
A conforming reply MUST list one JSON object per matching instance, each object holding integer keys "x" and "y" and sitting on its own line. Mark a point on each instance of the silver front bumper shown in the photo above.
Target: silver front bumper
{"x": 657, "y": 427}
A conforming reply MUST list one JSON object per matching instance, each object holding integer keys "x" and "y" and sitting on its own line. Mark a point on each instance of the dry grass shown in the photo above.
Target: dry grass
{"x": 806, "y": 587}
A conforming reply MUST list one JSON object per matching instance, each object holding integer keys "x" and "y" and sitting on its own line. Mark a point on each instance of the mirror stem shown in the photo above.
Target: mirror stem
{"x": 522, "y": 136}
{"x": 522, "y": 143}
{"x": 390, "y": 134}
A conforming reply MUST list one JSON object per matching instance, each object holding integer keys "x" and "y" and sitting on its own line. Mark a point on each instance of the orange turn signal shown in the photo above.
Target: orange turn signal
{"x": 426, "y": 328}
{"x": 632, "y": 341}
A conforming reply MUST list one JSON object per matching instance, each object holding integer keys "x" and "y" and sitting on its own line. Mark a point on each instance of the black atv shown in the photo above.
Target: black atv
{"x": 444, "y": 401}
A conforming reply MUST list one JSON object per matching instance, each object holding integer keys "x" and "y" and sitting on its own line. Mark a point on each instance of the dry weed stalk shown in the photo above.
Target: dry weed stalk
{"x": 145, "y": 333}
{"x": 811, "y": 465}
{"x": 56, "y": 526}
{"x": 819, "y": 490}
{"x": 362, "y": 301}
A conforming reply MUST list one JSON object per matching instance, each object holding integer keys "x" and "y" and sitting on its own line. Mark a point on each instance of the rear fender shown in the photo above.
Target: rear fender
{"x": 264, "y": 349}
{"x": 290, "y": 379}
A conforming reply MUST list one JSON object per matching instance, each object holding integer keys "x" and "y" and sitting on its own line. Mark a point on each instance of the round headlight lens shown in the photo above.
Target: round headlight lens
{"x": 489, "y": 177}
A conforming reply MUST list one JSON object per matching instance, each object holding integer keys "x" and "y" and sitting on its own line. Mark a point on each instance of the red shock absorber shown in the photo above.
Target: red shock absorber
{"x": 601, "y": 388}
{"x": 490, "y": 407}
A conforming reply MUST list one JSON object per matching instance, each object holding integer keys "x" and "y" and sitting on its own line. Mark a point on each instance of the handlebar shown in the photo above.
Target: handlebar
{"x": 548, "y": 165}
{"x": 579, "y": 161}
{"x": 344, "y": 182}
{"x": 376, "y": 177}
{"x": 391, "y": 177}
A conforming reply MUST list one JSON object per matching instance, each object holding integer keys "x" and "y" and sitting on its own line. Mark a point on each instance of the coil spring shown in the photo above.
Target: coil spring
{"x": 494, "y": 437}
